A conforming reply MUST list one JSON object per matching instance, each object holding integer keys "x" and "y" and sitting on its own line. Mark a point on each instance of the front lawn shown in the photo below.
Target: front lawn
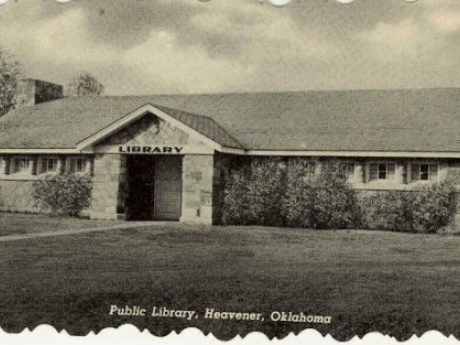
{"x": 20, "y": 224}
{"x": 367, "y": 281}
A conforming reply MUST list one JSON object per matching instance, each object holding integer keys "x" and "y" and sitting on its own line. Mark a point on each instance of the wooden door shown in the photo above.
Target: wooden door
{"x": 168, "y": 187}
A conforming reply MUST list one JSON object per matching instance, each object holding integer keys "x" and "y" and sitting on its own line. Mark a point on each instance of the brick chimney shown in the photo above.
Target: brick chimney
{"x": 30, "y": 92}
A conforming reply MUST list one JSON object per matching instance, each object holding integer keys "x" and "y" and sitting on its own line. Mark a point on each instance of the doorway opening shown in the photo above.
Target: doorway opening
{"x": 155, "y": 187}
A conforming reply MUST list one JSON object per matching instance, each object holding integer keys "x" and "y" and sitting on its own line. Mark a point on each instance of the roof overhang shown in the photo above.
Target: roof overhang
{"x": 285, "y": 153}
{"x": 357, "y": 154}
{"x": 42, "y": 151}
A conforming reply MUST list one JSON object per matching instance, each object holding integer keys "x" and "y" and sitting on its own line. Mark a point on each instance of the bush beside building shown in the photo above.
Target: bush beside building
{"x": 286, "y": 192}
{"x": 63, "y": 195}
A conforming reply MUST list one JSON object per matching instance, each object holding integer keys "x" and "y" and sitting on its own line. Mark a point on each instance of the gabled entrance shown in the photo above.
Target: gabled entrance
{"x": 149, "y": 165}
{"x": 155, "y": 187}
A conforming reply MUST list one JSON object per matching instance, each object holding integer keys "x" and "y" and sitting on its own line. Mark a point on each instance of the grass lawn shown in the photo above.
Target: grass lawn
{"x": 19, "y": 224}
{"x": 397, "y": 284}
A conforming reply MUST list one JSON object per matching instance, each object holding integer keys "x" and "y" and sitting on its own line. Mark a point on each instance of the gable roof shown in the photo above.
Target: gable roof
{"x": 417, "y": 120}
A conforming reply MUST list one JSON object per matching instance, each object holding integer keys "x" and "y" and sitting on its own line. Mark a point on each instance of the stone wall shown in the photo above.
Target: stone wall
{"x": 16, "y": 196}
{"x": 197, "y": 189}
{"x": 16, "y": 189}
{"x": 203, "y": 178}
{"x": 150, "y": 130}
{"x": 109, "y": 177}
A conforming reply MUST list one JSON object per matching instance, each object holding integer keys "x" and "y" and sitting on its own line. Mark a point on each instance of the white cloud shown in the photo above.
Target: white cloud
{"x": 267, "y": 38}
{"x": 267, "y": 27}
{"x": 258, "y": 47}
{"x": 166, "y": 66}
{"x": 445, "y": 21}
{"x": 162, "y": 64}
{"x": 398, "y": 34}
{"x": 399, "y": 40}
{"x": 60, "y": 42}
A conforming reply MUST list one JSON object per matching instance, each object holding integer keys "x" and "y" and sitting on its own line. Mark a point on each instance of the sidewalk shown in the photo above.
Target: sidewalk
{"x": 126, "y": 225}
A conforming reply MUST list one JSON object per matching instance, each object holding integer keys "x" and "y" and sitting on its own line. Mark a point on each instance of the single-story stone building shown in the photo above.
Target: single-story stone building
{"x": 165, "y": 157}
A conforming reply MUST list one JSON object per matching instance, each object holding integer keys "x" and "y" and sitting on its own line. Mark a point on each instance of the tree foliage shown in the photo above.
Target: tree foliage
{"x": 84, "y": 84}
{"x": 10, "y": 72}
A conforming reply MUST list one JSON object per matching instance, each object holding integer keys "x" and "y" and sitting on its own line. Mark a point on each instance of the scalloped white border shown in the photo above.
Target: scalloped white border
{"x": 130, "y": 334}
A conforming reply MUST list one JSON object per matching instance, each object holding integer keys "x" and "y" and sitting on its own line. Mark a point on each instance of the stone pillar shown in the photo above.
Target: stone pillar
{"x": 197, "y": 189}
{"x": 221, "y": 175}
{"x": 109, "y": 173}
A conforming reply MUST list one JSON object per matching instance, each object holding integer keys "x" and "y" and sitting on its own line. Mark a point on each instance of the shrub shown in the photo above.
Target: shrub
{"x": 389, "y": 210}
{"x": 275, "y": 193}
{"x": 326, "y": 202}
{"x": 64, "y": 195}
{"x": 433, "y": 207}
{"x": 255, "y": 197}
{"x": 426, "y": 209}
{"x": 297, "y": 206}
{"x": 265, "y": 192}
{"x": 235, "y": 200}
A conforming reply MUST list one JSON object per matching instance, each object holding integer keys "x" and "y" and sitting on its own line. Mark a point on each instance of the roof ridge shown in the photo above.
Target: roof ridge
{"x": 275, "y": 92}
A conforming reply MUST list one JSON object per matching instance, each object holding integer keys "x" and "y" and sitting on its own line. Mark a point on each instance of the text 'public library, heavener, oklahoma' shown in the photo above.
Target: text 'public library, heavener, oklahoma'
{"x": 166, "y": 157}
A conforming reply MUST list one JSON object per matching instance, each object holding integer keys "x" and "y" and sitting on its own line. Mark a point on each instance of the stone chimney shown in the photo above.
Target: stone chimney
{"x": 30, "y": 92}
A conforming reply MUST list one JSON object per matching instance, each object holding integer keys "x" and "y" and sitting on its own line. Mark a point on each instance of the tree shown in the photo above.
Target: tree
{"x": 10, "y": 72}
{"x": 84, "y": 84}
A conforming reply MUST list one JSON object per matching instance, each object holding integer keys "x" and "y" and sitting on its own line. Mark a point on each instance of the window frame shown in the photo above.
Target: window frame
{"x": 14, "y": 165}
{"x": 72, "y": 162}
{"x": 388, "y": 173}
{"x": 349, "y": 168}
{"x": 429, "y": 172}
{"x": 40, "y": 165}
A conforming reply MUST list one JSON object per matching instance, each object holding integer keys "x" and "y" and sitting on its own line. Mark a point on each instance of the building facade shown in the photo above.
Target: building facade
{"x": 167, "y": 157}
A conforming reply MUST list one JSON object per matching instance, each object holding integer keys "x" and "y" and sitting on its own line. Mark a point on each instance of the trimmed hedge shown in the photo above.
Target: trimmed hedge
{"x": 326, "y": 202}
{"x": 278, "y": 192}
{"x": 426, "y": 209}
{"x": 255, "y": 197}
{"x": 63, "y": 195}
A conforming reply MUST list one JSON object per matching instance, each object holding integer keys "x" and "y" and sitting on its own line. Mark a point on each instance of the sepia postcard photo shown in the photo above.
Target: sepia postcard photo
{"x": 233, "y": 166}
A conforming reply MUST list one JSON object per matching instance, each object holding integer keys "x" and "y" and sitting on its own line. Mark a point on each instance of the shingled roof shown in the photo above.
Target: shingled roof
{"x": 418, "y": 120}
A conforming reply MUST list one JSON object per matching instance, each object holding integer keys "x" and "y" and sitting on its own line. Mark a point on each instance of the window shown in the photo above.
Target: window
{"x": 77, "y": 165}
{"x": 424, "y": 172}
{"x": 347, "y": 168}
{"x": 382, "y": 171}
{"x": 22, "y": 164}
{"x": 48, "y": 165}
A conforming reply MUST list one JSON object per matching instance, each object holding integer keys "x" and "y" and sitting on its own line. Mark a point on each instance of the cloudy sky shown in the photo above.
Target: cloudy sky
{"x": 189, "y": 46}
